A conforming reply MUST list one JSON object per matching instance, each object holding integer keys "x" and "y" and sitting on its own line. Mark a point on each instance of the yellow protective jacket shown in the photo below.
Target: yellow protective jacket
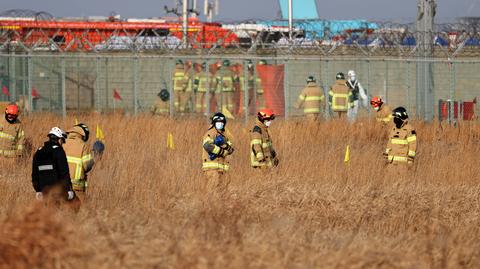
{"x": 160, "y": 107}
{"x": 220, "y": 162}
{"x": 201, "y": 81}
{"x": 179, "y": 82}
{"x": 79, "y": 157}
{"x": 12, "y": 138}
{"x": 402, "y": 144}
{"x": 384, "y": 114}
{"x": 262, "y": 153}
{"x": 225, "y": 81}
{"x": 310, "y": 99}
{"x": 340, "y": 96}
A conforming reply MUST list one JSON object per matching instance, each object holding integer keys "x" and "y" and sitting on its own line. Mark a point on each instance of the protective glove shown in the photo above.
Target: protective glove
{"x": 229, "y": 149}
{"x": 276, "y": 162}
{"x": 71, "y": 195}
{"x": 39, "y": 196}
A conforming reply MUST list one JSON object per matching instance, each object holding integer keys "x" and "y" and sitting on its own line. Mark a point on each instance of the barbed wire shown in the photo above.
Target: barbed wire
{"x": 251, "y": 37}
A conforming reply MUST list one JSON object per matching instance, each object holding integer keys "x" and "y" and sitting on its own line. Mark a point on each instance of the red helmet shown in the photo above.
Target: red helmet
{"x": 11, "y": 109}
{"x": 376, "y": 101}
{"x": 266, "y": 114}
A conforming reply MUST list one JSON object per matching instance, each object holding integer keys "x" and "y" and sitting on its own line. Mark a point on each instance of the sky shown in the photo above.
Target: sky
{"x": 239, "y": 10}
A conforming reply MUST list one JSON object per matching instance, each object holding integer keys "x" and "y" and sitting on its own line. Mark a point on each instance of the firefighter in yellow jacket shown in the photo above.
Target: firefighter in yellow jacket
{"x": 402, "y": 141}
{"x": 179, "y": 86}
{"x": 311, "y": 99}
{"x": 203, "y": 82}
{"x": 12, "y": 136}
{"x": 162, "y": 104}
{"x": 79, "y": 157}
{"x": 262, "y": 153}
{"x": 383, "y": 111}
{"x": 216, "y": 148}
{"x": 340, "y": 96}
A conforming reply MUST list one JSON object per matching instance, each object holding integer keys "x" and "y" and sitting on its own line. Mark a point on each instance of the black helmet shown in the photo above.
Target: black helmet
{"x": 262, "y": 62}
{"x": 178, "y": 62}
{"x": 226, "y": 63}
{"x": 218, "y": 117}
{"x": 400, "y": 112}
{"x": 311, "y": 79}
{"x": 164, "y": 95}
{"x": 339, "y": 76}
{"x": 85, "y": 130}
{"x": 204, "y": 66}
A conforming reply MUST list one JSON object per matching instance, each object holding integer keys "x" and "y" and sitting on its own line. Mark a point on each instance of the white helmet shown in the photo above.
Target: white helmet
{"x": 351, "y": 74}
{"x": 58, "y": 132}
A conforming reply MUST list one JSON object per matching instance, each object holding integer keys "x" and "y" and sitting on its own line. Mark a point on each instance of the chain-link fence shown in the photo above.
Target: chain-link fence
{"x": 236, "y": 85}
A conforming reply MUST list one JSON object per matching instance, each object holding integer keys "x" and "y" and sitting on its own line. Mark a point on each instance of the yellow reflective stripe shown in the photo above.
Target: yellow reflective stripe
{"x": 312, "y": 110}
{"x": 7, "y": 136}
{"x": 314, "y": 98}
{"x": 216, "y": 149}
{"x": 7, "y": 152}
{"x": 266, "y": 145}
{"x": 215, "y": 165}
{"x": 78, "y": 166}
{"x": 302, "y": 97}
{"x": 79, "y": 183}
{"x": 397, "y": 158}
{"x": 259, "y": 155}
{"x": 20, "y": 147}
{"x": 412, "y": 138}
{"x": 336, "y": 96}
{"x": 397, "y": 141}
{"x": 87, "y": 158}
{"x": 412, "y": 153}
{"x": 256, "y": 142}
{"x": 207, "y": 139}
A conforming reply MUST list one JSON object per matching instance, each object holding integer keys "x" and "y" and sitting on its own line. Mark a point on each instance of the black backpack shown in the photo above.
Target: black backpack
{"x": 45, "y": 164}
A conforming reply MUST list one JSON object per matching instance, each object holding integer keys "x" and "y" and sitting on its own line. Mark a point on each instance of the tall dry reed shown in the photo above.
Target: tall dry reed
{"x": 145, "y": 207}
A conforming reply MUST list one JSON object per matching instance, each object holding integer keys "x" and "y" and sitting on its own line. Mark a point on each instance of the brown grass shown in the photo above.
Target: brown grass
{"x": 146, "y": 209}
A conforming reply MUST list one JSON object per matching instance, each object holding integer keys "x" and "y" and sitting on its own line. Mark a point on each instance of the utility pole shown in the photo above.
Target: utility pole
{"x": 290, "y": 20}
{"x": 425, "y": 36}
{"x": 185, "y": 22}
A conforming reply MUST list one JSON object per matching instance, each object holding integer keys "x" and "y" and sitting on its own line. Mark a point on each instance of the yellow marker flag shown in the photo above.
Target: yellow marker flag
{"x": 99, "y": 134}
{"x": 76, "y": 121}
{"x": 170, "y": 144}
{"x": 227, "y": 113}
{"x": 346, "y": 160}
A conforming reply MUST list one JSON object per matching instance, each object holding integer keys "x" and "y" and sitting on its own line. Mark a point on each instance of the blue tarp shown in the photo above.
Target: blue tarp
{"x": 301, "y": 9}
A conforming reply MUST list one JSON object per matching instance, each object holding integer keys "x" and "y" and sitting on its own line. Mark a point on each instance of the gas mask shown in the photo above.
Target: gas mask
{"x": 353, "y": 78}
{"x": 377, "y": 108}
{"x": 219, "y": 125}
{"x": 10, "y": 118}
{"x": 267, "y": 123}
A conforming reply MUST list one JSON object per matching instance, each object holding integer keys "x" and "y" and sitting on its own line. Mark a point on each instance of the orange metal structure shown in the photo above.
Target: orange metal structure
{"x": 86, "y": 35}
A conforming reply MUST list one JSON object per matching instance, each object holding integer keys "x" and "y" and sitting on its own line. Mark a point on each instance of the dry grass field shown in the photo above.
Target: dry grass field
{"x": 145, "y": 207}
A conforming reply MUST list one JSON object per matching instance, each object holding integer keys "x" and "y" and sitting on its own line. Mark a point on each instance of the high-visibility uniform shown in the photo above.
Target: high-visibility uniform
{"x": 225, "y": 85}
{"x": 402, "y": 145}
{"x": 179, "y": 85}
{"x": 262, "y": 153}
{"x": 260, "y": 92}
{"x": 202, "y": 88}
{"x": 80, "y": 160}
{"x": 384, "y": 114}
{"x": 160, "y": 107}
{"x": 340, "y": 97}
{"x": 220, "y": 163}
{"x": 12, "y": 138}
{"x": 311, "y": 99}
{"x": 187, "y": 99}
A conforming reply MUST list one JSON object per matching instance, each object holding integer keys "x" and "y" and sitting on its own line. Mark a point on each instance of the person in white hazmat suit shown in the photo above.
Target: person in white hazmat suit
{"x": 359, "y": 95}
